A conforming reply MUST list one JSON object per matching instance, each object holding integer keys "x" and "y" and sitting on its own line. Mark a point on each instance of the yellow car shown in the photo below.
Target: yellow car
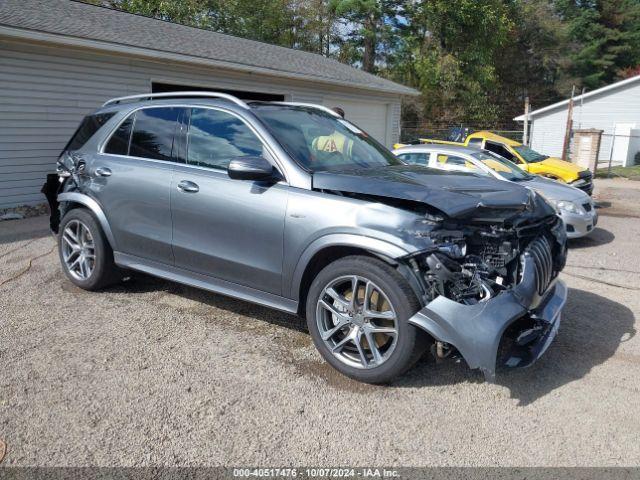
{"x": 528, "y": 159}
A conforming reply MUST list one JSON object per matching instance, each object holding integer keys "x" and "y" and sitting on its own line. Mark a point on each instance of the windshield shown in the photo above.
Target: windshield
{"x": 319, "y": 141}
{"x": 529, "y": 155}
{"x": 502, "y": 166}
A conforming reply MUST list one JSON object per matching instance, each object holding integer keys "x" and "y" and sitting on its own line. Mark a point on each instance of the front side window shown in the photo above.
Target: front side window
{"x": 153, "y": 133}
{"x": 502, "y": 151}
{"x": 415, "y": 158}
{"x": 88, "y": 127}
{"x": 216, "y": 137}
{"x": 319, "y": 141}
{"x": 453, "y": 161}
{"x": 502, "y": 166}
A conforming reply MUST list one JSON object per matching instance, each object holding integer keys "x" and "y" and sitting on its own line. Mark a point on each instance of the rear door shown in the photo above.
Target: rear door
{"x": 229, "y": 229}
{"x": 132, "y": 182}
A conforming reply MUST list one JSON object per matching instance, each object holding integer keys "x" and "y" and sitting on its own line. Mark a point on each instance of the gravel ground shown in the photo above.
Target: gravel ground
{"x": 154, "y": 373}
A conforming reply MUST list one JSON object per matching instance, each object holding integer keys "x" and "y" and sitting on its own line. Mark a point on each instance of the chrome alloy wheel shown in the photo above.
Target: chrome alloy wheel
{"x": 78, "y": 250}
{"x": 357, "y": 322}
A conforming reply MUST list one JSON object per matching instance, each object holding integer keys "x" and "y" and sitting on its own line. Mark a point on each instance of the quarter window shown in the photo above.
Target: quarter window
{"x": 89, "y": 126}
{"x": 153, "y": 133}
{"x": 216, "y": 137}
{"x": 118, "y": 144}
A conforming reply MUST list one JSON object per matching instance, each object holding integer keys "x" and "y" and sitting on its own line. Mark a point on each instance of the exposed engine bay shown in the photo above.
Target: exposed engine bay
{"x": 474, "y": 262}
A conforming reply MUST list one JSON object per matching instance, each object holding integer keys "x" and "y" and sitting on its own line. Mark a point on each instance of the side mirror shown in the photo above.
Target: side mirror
{"x": 252, "y": 168}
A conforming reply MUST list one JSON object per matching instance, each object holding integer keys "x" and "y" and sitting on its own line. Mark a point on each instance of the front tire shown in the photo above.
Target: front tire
{"x": 85, "y": 253}
{"x": 365, "y": 335}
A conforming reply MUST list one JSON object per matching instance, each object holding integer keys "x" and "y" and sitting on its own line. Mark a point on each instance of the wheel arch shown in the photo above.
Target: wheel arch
{"x": 326, "y": 250}
{"x": 75, "y": 199}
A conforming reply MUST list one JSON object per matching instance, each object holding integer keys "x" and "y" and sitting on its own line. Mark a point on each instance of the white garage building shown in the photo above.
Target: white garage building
{"x": 614, "y": 109}
{"x": 61, "y": 59}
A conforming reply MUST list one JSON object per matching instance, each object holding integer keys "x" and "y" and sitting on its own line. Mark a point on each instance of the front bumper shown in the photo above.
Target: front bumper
{"x": 579, "y": 225}
{"x": 512, "y": 329}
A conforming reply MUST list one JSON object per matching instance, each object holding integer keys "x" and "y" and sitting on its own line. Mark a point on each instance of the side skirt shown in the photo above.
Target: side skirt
{"x": 205, "y": 282}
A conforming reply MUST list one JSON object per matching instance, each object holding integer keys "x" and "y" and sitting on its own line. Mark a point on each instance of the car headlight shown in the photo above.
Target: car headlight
{"x": 567, "y": 206}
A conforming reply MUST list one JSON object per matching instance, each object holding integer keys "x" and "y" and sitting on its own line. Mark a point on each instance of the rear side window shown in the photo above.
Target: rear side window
{"x": 88, "y": 127}
{"x": 153, "y": 133}
{"x": 216, "y": 137}
{"x": 118, "y": 144}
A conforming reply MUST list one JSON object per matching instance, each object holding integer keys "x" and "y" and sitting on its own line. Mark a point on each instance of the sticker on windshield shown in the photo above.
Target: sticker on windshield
{"x": 351, "y": 127}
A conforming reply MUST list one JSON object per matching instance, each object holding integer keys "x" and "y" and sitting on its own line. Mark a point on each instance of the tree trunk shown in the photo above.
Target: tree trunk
{"x": 369, "y": 55}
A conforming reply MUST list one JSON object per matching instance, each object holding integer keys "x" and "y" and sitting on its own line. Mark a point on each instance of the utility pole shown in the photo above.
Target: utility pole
{"x": 567, "y": 132}
{"x": 584, "y": 89}
{"x": 525, "y": 134}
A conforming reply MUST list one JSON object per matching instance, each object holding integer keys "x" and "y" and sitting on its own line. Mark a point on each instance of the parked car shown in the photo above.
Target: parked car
{"x": 574, "y": 206}
{"x": 527, "y": 159}
{"x": 290, "y": 206}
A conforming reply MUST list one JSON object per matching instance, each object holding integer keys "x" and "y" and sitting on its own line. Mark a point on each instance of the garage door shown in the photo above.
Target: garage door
{"x": 369, "y": 116}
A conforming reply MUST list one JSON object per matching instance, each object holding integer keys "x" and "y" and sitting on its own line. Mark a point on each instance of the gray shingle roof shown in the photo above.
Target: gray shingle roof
{"x": 88, "y": 22}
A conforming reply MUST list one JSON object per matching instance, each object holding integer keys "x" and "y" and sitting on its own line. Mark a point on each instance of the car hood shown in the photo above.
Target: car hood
{"x": 456, "y": 194}
{"x": 554, "y": 190}
{"x": 559, "y": 164}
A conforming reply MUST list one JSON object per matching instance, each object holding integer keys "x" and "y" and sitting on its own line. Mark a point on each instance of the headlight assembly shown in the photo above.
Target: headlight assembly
{"x": 568, "y": 207}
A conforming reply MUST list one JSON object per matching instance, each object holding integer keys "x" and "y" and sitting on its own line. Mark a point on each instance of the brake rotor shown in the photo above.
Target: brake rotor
{"x": 381, "y": 338}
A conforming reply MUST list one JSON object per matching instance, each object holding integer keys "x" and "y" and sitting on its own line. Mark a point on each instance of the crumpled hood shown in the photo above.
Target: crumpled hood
{"x": 456, "y": 194}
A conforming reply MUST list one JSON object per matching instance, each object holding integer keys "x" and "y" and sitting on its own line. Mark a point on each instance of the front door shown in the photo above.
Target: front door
{"x": 132, "y": 182}
{"x": 229, "y": 229}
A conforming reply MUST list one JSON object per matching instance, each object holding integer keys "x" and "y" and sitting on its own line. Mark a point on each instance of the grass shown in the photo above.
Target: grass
{"x": 632, "y": 173}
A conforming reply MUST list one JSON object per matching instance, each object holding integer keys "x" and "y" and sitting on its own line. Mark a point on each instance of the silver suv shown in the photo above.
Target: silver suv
{"x": 293, "y": 207}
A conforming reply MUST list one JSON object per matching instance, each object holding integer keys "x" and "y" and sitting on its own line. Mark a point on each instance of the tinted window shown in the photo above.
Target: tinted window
{"x": 216, "y": 137}
{"x": 119, "y": 142}
{"x": 153, "y": 131}
{"x": 89, "y": 125}
{"x": 500, "y": 150}
{"x": 415, "y": 158}
{"x": 475, "y": 142}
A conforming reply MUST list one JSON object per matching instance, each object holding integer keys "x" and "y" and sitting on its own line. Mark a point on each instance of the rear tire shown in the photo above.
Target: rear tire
{"x": 85, "y": 253}
{"x": 343, "y": 328}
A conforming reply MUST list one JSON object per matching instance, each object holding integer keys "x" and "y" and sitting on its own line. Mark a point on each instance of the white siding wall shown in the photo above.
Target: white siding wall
{"x": 603, "y": 111}
{"x": 46, "y": 90}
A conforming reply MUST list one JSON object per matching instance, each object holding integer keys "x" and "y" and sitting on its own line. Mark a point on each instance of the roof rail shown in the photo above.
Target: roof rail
{"x": 150, "y": 96}
{"x": 310, "y": 105}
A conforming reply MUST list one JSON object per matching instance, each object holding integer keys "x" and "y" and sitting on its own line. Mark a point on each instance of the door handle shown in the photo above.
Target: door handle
{"x": 103, "y": 171}
{"x": 188, "y": 187}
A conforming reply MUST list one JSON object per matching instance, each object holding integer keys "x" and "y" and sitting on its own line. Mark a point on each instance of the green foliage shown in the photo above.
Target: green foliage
{"x": 607, "y": 34}
{"x": 474, "y": 61}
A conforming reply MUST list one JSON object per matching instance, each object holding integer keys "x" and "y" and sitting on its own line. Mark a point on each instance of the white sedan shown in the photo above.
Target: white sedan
{"x": 574, "y": 206}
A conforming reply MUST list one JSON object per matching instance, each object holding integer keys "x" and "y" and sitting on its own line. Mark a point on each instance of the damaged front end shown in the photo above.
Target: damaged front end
{"x": 490, "y": 288}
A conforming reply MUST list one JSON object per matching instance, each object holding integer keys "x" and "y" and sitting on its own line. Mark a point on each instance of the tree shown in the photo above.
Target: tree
{"x": 368, "y": 24}
{"x": 606, "y": 34}
{"x": 449, "y": 53}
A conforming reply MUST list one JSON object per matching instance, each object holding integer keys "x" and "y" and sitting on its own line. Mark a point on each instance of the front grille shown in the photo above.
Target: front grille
{"x": 540, "y": 251}
{"x": 587, "y": 206}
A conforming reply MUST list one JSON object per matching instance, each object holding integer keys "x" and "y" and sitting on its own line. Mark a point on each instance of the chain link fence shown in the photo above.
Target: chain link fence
{"x": 410, "y": 133}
